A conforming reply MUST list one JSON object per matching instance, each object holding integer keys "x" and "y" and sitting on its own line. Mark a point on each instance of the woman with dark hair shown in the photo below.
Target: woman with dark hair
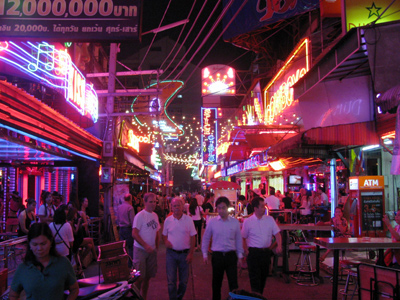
{"x": 27, "y": 217}
{"x": 62, "y": 232}
{"x": 196, "y": 212}
{"x": 80, "y": 241}
{"x": 44, "y": 274}
{"x": 84, "y": 205}
{"x": 14, "y": 206}
{"x": 46, "y": 210}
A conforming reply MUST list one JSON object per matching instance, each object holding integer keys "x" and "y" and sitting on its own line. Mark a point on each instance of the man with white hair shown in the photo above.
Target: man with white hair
{"x": 145, "y": 232}
{"x": 179, "y": 238}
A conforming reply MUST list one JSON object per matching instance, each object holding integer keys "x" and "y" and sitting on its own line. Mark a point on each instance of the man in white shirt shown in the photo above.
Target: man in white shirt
{"x": 179, "y": 238}
{"x": 145, "y": 232}
{"x": 272, "y": 201}
{"x": 323, "y": 198}
{"x": 257, "y": 235}
{"x": 226, "y": 245}
{"x": 126, "y": 213}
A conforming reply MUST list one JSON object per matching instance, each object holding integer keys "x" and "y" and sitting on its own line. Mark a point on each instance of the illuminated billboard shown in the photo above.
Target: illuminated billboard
{"x": 218, "y": 80}
{"x": 363, "y": 12}
{"x": 209, "y": 136}
{"x": 278, "y": 94}
{"x": 70, "y": 19}
{"x": 45, "y": 64}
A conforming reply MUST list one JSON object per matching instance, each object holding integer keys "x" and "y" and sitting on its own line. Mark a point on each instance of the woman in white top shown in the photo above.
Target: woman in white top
{"x": 196, "y": 212}
{"x": 62, "y": 232}
{"x": 46, "y": 210}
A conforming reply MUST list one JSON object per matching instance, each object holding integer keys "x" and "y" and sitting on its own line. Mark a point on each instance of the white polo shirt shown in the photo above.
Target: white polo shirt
{"x": 258, "y": 232}
{"x": 147, "y": 224}
{"x": 179, "y": 231}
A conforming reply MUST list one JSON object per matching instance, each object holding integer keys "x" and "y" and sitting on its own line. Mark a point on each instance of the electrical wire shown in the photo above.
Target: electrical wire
{"x": 152, "y": 41}
{"x": 197, "y": 37}
{"x": 180, "y": 34}
{"x": 223, "y": 13}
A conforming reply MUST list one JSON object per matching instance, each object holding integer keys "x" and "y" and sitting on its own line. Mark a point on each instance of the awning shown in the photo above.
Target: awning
{"x": 360, "y": 52}
{"x": 321, "y": 142}
{"x": 237, "y": 152}
{"x": 389, "y": 100}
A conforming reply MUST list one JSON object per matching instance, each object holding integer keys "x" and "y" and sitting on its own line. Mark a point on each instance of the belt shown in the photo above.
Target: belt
{"x": 224, "y": 253}
{"x": 258, "y": 249}
{"x": 179, "y": 251}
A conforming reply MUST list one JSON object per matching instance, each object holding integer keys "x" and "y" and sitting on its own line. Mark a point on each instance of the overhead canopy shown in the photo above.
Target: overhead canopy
{"x": 320, "y": 142}
{"x": 389, "y": 100}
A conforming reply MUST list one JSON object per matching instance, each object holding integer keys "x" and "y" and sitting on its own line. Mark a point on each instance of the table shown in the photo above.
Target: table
{"x": 285, "y": 249}
{"x": 360, "y": 243}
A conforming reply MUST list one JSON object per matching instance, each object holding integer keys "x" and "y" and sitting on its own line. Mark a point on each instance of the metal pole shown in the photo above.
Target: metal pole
{"x": 334, "y": 186}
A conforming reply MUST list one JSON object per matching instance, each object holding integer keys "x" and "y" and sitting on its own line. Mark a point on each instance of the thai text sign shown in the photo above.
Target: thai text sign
{"x": 209, "y": 136}
{"x": 364, "y": 12}
{"x": 278, "y": 94}
{"x": 52, "y": 67}
{"x": 70, "y": 19}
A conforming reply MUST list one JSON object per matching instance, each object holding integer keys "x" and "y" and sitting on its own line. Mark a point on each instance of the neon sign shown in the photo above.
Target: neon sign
{"x": 51, "y": 67}
{"x": 209, "y": 136}
{"x": 133, "y": 140}
{"x": 278, "y": 94}
{"x": 222, "y": 148}
{"x": 218, "y": 80}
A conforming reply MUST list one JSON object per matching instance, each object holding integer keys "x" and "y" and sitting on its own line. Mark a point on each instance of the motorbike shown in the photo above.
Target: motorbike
{"x": 91, "y": 289}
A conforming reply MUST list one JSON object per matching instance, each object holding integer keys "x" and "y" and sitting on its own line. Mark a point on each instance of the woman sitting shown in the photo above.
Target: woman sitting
{"x": 27, "y": 217}
{"x": 44, "y": 274}
{"x": 340, "y": 227}
{"x": 81, "y": 241}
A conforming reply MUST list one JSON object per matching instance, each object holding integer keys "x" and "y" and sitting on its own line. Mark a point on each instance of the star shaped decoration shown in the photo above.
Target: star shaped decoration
{"x": 373, "y": 10}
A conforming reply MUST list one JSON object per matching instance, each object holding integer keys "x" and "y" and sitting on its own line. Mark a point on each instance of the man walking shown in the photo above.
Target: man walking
{"x": 179, "y": 238}
{"x": 126, "y": 213}
{"x": 257, "y": 235}
{"x": 226, "y": 245}
{"x": 145, "y": 232}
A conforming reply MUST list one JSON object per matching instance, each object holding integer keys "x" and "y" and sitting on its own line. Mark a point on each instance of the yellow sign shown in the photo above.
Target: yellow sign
{"x": 362, "y": 12}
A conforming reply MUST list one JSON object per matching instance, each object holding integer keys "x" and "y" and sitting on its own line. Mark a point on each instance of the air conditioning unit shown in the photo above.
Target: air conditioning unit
{"x": 108, "y": 149}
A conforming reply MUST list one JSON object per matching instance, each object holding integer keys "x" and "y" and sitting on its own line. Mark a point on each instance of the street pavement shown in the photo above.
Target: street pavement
{"x": 199, "y": 287}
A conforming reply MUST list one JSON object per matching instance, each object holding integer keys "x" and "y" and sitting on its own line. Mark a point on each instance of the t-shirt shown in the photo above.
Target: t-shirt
{"x": 49, "y": 213}
{"x": 179, "y": 231}
{"x": 148, "y": 225}
{"x": 126, "y": 214}
{"x": 64, "y": 233}
{"x": 47, "y": 285}
{"x": 288, "y": 202}
{"x": 197, "y": 215}
{"x": 272, "y": 202}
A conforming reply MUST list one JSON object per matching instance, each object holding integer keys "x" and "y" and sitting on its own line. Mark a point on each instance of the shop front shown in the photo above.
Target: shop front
{"x": 45, "y": 105}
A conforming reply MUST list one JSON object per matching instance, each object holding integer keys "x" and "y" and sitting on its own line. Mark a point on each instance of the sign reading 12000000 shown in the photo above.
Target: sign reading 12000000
{"x": 70, "y": 19}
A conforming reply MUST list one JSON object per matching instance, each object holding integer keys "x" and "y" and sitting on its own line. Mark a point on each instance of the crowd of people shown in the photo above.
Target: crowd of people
{"x": 59, "y": 230}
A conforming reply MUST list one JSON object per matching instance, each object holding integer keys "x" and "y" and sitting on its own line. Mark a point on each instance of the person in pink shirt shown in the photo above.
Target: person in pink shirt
{"x": 395, "y": 232}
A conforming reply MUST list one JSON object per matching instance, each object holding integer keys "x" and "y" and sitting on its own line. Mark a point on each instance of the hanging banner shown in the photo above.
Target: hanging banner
{"x": 70, "y": 19}
{"x": 209, "y": 136}
{"x": 259, "y": 13}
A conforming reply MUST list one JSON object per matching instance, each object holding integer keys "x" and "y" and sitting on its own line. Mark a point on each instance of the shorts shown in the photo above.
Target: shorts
{"x": 145, "y": 262}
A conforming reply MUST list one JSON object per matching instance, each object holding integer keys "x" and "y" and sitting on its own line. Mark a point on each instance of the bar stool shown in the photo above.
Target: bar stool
{"x": 300, "y": 258}
{"x": 350, "y": 267}
{"x": 306, "y": 271}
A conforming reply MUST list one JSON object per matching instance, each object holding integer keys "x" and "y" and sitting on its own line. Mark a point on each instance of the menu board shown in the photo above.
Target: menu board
{"x": 371, "y": 211}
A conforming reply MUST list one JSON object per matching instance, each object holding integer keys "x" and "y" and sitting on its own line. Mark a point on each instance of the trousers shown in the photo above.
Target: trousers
{"x": 258, "y": 262}
{"x": 223, "y": 262}
{"x": 176, "y": 264}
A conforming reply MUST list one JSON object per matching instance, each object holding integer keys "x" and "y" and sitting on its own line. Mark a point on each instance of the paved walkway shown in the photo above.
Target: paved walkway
{"x": 199, "y": 287}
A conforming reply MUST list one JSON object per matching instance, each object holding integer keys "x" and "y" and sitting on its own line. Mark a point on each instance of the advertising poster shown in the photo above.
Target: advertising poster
{"x": 372, "y": 210}
{"x": 70, "y": 19}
